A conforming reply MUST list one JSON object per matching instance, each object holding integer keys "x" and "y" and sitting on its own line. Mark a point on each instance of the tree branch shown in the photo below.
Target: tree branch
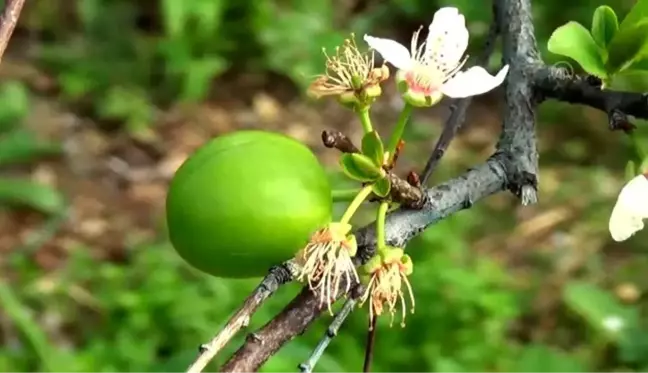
{"x": 8, "y": 21}
{"x": 554, "y": 82}
{"x": 514, "y": 166}
{"x": 277, "y": 276}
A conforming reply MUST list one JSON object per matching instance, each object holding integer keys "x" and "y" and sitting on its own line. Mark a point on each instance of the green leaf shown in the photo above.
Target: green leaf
{"x": 628, "y": 45}
{"x": 381, "y": 187}
{"x": 359, "y": 167}
{"x": 20, "y": 146}
{"x": 640, "y": 65}
{"x": 541, "y": 358}
{"x": 24, "y": 192}
{"x": 638, "y": 13}
{"x": 598, "y": 308}
{"x": 574, "y": 41}
{"x": 604, "y": 25}
{"x": 373, "y": 148}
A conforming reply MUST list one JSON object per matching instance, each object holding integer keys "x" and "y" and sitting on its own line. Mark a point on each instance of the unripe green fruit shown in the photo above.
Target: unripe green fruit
{"x": 246, "y": 201}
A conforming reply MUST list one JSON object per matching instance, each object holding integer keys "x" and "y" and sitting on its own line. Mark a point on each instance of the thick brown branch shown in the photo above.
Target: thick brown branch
{"x": 8, "y": 21}
{"x": 276, "y": 277}
{"x": 292, "y": 321}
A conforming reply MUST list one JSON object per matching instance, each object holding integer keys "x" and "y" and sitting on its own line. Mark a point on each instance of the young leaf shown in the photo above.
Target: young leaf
{"x": 381, "y": 187}
{"x": 628, "y": 45}
{"x": 638, "y": 13}
{"x": 604, "y": 25}
{"x": 373, "y": 148}
{"x": 359, "y": 167}
{"x": 27, "y": 193}
{"x": 574, "y": 41}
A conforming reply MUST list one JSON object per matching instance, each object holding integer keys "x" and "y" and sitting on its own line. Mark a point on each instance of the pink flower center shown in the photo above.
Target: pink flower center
{"x": 424, "y": 79}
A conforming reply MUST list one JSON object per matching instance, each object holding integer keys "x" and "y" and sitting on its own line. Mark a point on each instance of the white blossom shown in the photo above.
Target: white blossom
{"x": 630, "y": 209}
{"x": 434, "y": 66}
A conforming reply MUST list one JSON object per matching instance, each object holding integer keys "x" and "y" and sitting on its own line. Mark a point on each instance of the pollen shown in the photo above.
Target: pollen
{"x": 326, "y": 260}
{"x": 347, "y": 70}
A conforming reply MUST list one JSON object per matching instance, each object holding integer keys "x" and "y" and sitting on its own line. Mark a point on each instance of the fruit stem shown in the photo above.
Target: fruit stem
{"x": 363, "y": 113}
{"x": 355, "y": 204}
{"x": 380, "y": 225}
{"x": 344, "y": 195}
{"x": 397, "y": 134}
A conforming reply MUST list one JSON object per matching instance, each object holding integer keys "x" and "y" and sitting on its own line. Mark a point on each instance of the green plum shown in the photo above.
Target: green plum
{"x": 246, "y": 201}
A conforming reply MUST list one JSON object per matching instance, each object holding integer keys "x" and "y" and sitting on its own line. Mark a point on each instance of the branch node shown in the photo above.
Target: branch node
{"x": 403, "y": 192}
{"x": 254, "y": 338}
{"x": 618, "y": 120}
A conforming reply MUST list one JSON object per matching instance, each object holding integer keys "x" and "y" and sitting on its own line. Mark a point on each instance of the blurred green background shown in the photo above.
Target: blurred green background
{"x": 101, "y": 100}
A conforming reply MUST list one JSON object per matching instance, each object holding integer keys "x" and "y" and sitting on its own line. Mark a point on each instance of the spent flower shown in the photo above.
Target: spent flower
{"x": 326, "y": 259}
{"x": 630, "y": 210}
{"x": 433, "y": 69}
{"x": 350, "y": 75}
{"x": 388, "y": 284}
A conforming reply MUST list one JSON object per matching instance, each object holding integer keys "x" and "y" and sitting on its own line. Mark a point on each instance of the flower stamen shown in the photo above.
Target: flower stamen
{"x": 326, "y": 260}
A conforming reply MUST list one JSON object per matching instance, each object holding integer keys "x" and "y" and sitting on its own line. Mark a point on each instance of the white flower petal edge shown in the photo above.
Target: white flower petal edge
{"x": 472, "y": 82}
{"x": 392, "y": 51}
{"x": 630, "y": 209}
{"x": 447, "y": 38}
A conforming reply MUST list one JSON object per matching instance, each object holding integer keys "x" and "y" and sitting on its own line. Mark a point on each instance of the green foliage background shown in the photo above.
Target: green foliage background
{"x": 122, "y": 59}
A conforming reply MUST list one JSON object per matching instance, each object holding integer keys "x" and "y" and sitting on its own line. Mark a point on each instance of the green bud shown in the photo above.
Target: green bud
{"x": 391, "y": 254}
{"x": 372, "y": 265}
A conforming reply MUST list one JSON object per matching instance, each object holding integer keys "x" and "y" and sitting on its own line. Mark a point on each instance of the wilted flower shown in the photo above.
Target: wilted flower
{"x": 432, "y": 69}
{"x": 350, "y": 74}
{"x": 388, "y": 283}
{"x": 630, "y": 209}
{"x": 326, "y": 259}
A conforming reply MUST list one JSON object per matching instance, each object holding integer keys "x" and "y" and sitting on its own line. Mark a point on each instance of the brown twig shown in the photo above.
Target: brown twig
{"x": 369, "y": 348}
{"x": 8, "y": 21}
{"x": 276, "y": 277}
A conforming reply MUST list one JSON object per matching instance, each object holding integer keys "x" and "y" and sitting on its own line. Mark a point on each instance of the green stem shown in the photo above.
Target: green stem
{"x": 398, "y": 130}
{"x": 344, "y": 195}
{"x": 365, "y": 120}
{"x": 380, "y": 225}
{"x": 355, "y": 204}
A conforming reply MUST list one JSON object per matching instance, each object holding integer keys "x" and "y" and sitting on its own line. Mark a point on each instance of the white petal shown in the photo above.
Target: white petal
{"x": 447, "y": 39}
{"x": 392, "y": 51}
{"x": 630, "y": 209}
{"x": 472, "y": 82}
